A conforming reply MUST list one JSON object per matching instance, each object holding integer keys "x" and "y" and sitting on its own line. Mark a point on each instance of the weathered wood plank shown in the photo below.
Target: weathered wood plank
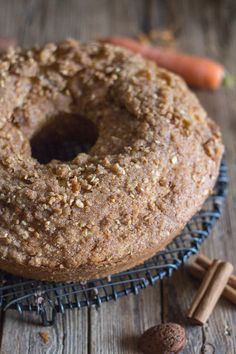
{"x": 116, "y": 327}
{"x": 21, "y": 334}
{"x": 34, "y": 22}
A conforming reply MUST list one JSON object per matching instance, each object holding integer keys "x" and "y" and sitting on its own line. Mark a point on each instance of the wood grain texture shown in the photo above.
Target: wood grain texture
{"x": 21, "y": 334}
{"x": 116, "y": 327}
{"x": 201, "y": 27}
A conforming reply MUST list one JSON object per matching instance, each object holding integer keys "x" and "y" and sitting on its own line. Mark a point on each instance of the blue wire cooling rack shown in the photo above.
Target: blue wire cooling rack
{"x": 47, "y": 299}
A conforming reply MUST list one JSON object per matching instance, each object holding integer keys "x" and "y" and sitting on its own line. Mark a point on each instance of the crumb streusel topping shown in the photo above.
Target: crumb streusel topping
{"x": 154, "y": 163}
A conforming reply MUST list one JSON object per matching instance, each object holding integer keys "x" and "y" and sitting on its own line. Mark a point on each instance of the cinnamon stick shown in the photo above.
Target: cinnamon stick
{"x": 210, "y": 291}
{"x": 205, "y": 262}
{"x": 199, "y": 272}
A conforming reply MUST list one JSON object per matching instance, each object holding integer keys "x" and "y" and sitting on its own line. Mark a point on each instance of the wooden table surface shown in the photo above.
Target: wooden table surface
{"x": 201, "y": 27}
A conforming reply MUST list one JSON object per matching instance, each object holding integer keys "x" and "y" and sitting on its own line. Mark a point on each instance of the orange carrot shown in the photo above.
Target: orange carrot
{"x": 6, "y": 43}
{"x": 197, "y": 71}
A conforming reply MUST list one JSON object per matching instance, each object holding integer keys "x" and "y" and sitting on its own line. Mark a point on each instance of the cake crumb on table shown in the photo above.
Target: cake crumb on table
{"x": 44, "y": 336}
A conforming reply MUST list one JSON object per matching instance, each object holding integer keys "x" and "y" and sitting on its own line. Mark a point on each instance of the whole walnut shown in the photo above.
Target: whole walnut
{"x": 167, "y": 338}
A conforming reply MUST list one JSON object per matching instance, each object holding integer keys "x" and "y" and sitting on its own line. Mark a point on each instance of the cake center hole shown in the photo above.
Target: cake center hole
{"x": 63, "y": 138}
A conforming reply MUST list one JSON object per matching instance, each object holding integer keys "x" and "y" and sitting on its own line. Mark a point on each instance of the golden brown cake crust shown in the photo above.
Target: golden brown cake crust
{"x": 154, "y": 163}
